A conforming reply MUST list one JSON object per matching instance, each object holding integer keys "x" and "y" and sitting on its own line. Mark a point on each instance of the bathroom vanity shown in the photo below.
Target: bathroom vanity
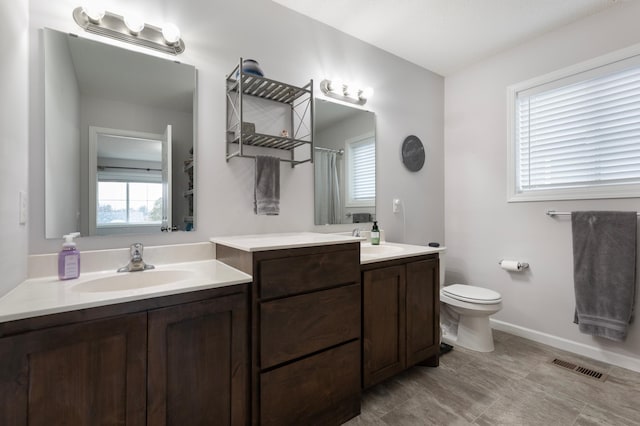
{"x": 401, "y": 313}
{"x": 306, "y": 325}
{"x": 142, "y": 361}
{"x": 279, "y": 328}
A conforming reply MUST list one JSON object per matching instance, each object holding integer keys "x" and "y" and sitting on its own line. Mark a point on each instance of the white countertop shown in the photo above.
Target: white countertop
{"x": 44, "y": 295}
{"x": 262, "y": 242}
{"x": 389, "y": 251}
{"x": 48, "y": 295}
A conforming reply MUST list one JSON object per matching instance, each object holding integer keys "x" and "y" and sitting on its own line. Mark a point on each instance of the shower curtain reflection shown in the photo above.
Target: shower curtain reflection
{"x": 327, "y": 204}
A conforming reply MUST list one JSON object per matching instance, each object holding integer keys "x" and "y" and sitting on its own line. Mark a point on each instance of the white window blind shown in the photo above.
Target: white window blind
{"x": 362, "y": 172}
{"x": 580, "y": 134}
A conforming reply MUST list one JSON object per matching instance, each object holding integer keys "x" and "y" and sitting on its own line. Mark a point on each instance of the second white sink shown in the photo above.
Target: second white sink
{"x": 381, "y": 249}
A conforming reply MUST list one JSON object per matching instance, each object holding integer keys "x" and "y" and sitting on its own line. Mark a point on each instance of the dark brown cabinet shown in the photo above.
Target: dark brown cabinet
{"x": 400, "y": 316}
{"x": 306, "y": 328}
{"x": 198, "y": 363}
{"x": 80, "y": 374}
{"x": 170, "y": 360}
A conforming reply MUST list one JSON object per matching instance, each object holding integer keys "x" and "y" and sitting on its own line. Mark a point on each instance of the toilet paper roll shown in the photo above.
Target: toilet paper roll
{"x": 512, "y": 265}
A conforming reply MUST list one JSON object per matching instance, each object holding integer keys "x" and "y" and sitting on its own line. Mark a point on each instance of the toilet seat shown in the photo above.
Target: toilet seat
{"x": 472, "y": 294}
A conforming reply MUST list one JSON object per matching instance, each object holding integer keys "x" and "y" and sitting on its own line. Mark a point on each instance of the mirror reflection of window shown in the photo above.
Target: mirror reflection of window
{"x": 131, "y": 203}
{"x": 361, "y": 172}
{"x": 130, "y": 187}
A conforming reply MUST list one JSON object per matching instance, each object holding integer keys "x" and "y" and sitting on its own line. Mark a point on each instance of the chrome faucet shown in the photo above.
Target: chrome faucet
{"x": 355, "y": 232}
{"x": 136, "y": 263}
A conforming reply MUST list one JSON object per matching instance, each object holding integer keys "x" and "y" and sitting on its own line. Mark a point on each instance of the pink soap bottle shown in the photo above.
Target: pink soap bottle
{"x": 69, "y": 258}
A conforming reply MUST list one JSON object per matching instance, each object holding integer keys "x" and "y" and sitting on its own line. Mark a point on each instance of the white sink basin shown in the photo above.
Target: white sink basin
{"x": 382, "y": 249}
{"x": 133, "y": 280}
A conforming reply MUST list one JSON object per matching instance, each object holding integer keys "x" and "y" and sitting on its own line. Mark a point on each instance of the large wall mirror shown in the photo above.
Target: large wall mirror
{"x": 119, "y": 139}
{"x": 344, "y": 164}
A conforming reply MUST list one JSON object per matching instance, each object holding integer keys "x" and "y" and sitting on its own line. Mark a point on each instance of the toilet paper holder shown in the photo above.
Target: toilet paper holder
{"x": 513, "y": 265}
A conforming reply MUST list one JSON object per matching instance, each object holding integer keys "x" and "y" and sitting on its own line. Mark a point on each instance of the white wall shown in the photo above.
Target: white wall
{"x": 481, "y": 227}
{"x": 14, "y": 138}
{"x": 290, "y": 48}
{"x": 62, "y": 112}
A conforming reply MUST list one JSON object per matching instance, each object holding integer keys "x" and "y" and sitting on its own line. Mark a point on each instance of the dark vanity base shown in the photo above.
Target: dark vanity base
{"x": 306, "y": 327}
{"x": 171, "y": 360}
{"x": 401, "y": 316}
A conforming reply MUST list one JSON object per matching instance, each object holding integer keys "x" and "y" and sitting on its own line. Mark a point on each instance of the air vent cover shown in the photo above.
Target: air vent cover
{"x": 579, "y": 369}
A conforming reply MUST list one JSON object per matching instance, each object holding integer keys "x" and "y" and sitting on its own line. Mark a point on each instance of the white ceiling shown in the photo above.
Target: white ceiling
{"x": 446, "y": 36}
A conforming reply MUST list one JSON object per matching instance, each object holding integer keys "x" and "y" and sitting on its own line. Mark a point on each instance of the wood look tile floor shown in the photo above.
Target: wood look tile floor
{"x": 514, "y": 385}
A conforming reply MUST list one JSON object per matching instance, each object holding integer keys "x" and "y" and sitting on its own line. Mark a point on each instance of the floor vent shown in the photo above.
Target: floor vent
{"x": 578, "y": 369}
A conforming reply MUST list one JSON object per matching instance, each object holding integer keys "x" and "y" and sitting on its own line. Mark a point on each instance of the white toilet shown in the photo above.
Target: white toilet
{"x": 473, "y": 305}
{"x": 464, "y": 314}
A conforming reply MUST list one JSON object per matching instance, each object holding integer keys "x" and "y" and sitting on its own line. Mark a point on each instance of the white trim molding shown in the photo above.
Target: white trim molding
{"x": 592, "y": 352}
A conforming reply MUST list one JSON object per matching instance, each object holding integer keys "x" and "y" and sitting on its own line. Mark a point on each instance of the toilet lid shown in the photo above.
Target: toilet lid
{"x": 472, "y": 294}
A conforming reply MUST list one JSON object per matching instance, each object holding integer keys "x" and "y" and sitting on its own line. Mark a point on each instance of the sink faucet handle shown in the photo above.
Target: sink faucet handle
{"x": 356, "y": 232}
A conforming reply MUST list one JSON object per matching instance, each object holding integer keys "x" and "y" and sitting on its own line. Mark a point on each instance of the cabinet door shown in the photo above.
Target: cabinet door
{"x": 423, "y": 309}
{"x": 89, "y": 373}
{"x": 198, "y": 360}
{"x": 384, "y": 323}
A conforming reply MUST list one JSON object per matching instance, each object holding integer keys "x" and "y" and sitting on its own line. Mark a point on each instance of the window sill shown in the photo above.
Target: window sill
{"x": 613, "y": 191}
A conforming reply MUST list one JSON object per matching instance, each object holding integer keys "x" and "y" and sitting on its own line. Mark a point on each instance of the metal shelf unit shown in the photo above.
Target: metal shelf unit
{"x": 243, "y": 86}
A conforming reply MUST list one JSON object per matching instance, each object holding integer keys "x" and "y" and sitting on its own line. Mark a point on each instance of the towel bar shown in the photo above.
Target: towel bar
{"x": 557, "y": 213}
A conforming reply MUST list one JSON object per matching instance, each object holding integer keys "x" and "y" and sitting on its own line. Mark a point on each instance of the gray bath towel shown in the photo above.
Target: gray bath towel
{"x": 604, "y": 271}
{"x": 267, "y": 186}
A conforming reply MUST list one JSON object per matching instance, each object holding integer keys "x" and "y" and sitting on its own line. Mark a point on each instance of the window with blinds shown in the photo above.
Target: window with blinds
{"x": 361, "y": 172}
{"x": 577, "y": 136}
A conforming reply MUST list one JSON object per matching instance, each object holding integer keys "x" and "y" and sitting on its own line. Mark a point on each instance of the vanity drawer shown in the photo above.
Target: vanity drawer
{"x": 299, "y": 274}
{"x": 321, "y": 389}
{"x": 300, "y": 325}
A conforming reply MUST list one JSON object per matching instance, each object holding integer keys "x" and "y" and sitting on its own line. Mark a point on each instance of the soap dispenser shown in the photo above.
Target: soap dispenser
{"x": 69, "y": 258}
{"x": 375, "y": 234}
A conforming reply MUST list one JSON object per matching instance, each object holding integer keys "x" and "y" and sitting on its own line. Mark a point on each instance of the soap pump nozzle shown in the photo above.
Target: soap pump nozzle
{"x": 68, "y": 240}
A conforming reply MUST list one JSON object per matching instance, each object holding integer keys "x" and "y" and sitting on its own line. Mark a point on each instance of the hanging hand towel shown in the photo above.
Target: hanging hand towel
{"x": 604, "y": 271}
{"x": 267, "y": 186}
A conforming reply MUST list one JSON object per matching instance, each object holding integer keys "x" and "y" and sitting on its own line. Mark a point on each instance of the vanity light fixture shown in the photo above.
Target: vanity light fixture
{"x": 130, "y": 29}
{"x": 344, "y": 92}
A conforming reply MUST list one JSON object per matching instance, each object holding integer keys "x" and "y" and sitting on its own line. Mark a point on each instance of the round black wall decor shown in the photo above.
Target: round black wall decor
{"x": 413, "y": 153}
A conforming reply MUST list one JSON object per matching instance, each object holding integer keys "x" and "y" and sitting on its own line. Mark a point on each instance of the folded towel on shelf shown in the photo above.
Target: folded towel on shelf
{"x": 267, "y": 185}
{"x": 361, "y": 217}
{"x": 604, "y": 271}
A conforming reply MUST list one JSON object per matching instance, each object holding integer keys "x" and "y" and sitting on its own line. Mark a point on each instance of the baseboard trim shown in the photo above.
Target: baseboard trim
{"x": 569, "y": 345}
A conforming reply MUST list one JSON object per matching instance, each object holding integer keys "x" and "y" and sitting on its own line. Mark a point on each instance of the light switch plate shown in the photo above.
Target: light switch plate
{"x": 23, "y": 208}
{"x": 396, "y": 205}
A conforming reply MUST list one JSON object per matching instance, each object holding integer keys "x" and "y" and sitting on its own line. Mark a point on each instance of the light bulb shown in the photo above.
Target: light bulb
{"x": 94, "y": 13}
{"x": 134, "y": 24}
{"x": 336, "y": 86}
{"x": 171, "y": 34}
{"x": 366, "y": 93}
{"x": 352, "y": 92}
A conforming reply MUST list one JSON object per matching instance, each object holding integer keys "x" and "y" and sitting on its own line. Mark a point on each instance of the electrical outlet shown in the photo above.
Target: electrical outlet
{"x": 396, "y": 205}
{"x": 23, "y": 208}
